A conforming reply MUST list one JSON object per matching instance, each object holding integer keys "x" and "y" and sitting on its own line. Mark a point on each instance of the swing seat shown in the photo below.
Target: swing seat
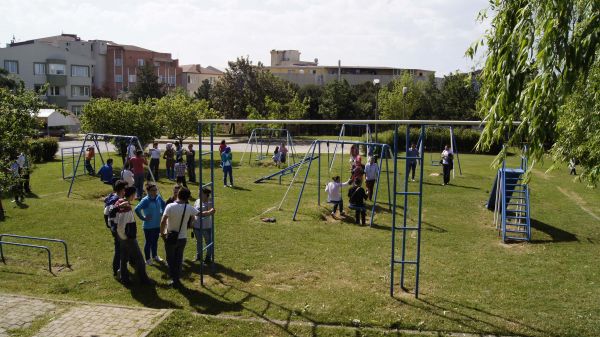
{"x": 435, "y": 162}
{"x": 357, "y": 208}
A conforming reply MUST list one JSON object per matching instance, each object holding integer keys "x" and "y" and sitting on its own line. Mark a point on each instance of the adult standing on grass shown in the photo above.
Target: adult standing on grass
{"x": 180, "y": 169}
{"x": 173, "y": 198}
{"x": 203, "y": 225}
{"x": 169, "y": 157}
{"x": 154, "y": 160}
{"x": 176, "y": 219}
{"x": 16, "y": 188}
{"x": 412, "y": 154}
{"x": 109, "y": 220}
{"x": 150, "y": 210}
{"x": 89, "y": 155}
{"x": 227, "y": 162}
{"x": 23, "y": 162}
{"x": 190, "y": 161}
{"x": 283, "y": 151}
{"x": 447, "y": 163}
{"x": 137, "y": 167}
{"x": 127, "y": 232}
{"x": 371, "y": 175}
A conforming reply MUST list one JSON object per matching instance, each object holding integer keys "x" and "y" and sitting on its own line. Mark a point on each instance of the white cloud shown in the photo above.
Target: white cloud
{"x": 428, "y": 34}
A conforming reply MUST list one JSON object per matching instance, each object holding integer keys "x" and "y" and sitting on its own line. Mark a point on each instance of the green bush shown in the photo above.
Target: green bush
{"x": 43, "y": 149}
{"x": 436, "y": 138}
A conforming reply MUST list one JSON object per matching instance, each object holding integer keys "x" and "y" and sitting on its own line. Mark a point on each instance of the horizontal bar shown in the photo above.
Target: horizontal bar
{"x": 340, "y": 122}
{"x": 205, "y": 153}
{"x": 515, "y": 191}
{"x": 108, "y": 135}
{"x": 419, "y": 158}
{"x": 351, "y": 142}
{"x": 408, "y": 193}
{"x": 406, "y": 262}
{"x": 407, "y": 228}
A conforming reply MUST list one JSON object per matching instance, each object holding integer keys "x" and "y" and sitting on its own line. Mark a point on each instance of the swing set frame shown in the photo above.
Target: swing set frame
{"x": 256, "y": 143}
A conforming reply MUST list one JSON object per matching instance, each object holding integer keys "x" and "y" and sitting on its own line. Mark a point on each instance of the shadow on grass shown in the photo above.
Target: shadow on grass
{"x": 471, "y": 317}
{"x": 556, "y": 234}
{"x": 451, "y": 184}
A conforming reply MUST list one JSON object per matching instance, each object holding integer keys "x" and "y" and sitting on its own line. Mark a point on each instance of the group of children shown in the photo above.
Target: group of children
{"x": 357, "y": 195}
{"x": 280, "y": 155}
{"x": 168, "y": 219}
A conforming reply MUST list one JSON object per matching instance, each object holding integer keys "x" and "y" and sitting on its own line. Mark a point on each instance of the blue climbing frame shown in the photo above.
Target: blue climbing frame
{"x": 202, "y": 185}
{"x": 404, "y": 191}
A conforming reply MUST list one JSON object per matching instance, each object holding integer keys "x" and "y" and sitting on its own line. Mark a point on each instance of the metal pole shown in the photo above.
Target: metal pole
{"x": 393, "y": 254}
{"x": 405, "y": 210}
{"x": 380, "y": 164}
{"x": 455, "y": 149}
{"x": 305, "y": 178}
{"x": 212, "y": 180}
{"x": 387, "y": 170}
{"x": 419, "y": 219}
{"x": 306, "y": 156}
{"x": 319, "y": 177}
{"x": 201, "y": 183}
{"x": 77, "y": 166}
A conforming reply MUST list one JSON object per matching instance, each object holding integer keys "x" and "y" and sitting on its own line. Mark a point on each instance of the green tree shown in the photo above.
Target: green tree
{"x": 147, "y": 85}
{"x": 203, "y": 91}
{"x": 401, "y": 99}
{"x": 364, "y": 105}
{"x": 581, "y": 140}
{"x": 312, "y": 93}
{"x": 8, "y": 81}
{"x": 103, "y": 115}
{"x": 432, "y": 105}
{"x": 179, "y": 113}
{"x": 458, "y": 97}
{"x": 337, "y": 101}
{"x": 535, "y": 53}
{"x": 18, "y": 124}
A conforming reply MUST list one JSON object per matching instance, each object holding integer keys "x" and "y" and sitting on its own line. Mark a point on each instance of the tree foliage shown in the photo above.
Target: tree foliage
{"x": 458, "y": 97}
{"x": 337, "y": 100}
{"x": 535, "y": 52}
{"x": 18, "y": 124}
{"x": 178, "y": 114}
{"x": 147, "y": 85}
{"x": 401, "y": 99}
{"x": 578, "y": 128}
{"x": 203, "y": 91}
{"x": 121, "y": 117}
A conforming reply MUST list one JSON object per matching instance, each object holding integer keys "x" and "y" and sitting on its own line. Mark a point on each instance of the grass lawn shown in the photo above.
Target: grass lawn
{"x": 330, "y": 272}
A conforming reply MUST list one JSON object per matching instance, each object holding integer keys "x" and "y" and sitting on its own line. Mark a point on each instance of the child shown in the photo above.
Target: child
{"x": 203, "y": 225}
{"x": 358, "y": 169}
{"x": 180, "y": 172}
{"x": 357, "y": 200}
{"x": 106, "y": 173}
{"x": 127, "y": 232}
{"x": 226, "y": 159}
{"x": 572, "y": 167}
{"x": 334, "y": 194}
{"x": 127, "y": 175}
{"x": 283, "y": 153}
{"x": 353, "y": 154}
{"x": 276, "y": 156}
{"x": 222, "y": 149}
{"x": 371, "y": 174}
{"x": 89, "y": 155}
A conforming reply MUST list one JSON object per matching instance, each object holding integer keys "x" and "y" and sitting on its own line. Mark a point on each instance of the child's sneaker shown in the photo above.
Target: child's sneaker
{"x": 149, "y": 262}
{"x": 158, "y": 259}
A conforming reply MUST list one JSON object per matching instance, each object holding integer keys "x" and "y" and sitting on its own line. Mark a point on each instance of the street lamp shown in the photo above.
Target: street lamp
{"x": 376, "y": 84}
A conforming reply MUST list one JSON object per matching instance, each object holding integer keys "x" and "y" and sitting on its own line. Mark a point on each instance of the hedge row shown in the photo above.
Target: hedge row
{"x": 43, "y": 149}
{"x": 437, "y": 138}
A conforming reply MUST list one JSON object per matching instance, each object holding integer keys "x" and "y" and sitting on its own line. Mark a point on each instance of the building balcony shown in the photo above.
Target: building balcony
{"x": 59, "y": 101}
{"x": 57, "y": 80}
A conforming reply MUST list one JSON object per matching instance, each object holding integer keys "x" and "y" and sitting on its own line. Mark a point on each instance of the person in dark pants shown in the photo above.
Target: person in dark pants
{"x": 412, "y": 162}
{"x": 358, "y": 196}
{"x": 89, "y": 155}
{"x": 23, "y": 162}
{"x": 177, "y": 218}
{"x": 154, "y": 160}
{"x": 447, "y": 163}
{"x": 127, "y": 232}
{"x": 109, "y": 220}
{"x": 227, "y": 162}
{"x": 137, "y": 166}
{"x": 150, "y": 210}
{"x": 190, "y": 157}
{"x": 106, "y": 173}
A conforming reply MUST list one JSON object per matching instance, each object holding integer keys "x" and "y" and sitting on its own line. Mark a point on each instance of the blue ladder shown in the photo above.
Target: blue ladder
{"x": 404, "y": 228}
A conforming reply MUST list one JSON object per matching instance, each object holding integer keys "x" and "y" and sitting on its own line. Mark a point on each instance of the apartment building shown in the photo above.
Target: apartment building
{"x": 192, "y": 76}
{"x": 123, "y": 61}
{"x": 286, "y": 64}
{"x": 65, "y": 62}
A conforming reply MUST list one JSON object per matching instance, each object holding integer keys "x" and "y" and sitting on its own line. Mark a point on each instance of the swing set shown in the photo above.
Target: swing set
{"x": 261, "y": 140}
{"x": 435, "y": 159}
{"x": 94, "y": 139}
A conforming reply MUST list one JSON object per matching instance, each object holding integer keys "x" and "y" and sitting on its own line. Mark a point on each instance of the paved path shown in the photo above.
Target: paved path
{"x": 73, "y": 319}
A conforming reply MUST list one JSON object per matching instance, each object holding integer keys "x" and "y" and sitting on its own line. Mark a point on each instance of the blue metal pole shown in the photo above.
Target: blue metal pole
{"x": 387, "y": 170}
{"x": 201, "y": 183}
{"x": 393, "y": 260}
{"x": 405, "y": 210}
{"x": 319, "y": 177}
{"x": 305, "y": 178}
{"x": 212, "y": 199}
{"x": 419, "y": 217}
{"x": 380, "y": 164}
{"x": 77, "y": 166}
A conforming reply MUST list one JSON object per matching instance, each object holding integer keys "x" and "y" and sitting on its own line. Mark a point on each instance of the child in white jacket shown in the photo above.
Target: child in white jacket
{"x": 334, "y": 194}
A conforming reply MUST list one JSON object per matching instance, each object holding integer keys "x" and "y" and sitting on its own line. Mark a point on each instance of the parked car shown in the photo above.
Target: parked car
{"x": 53, "y": 131}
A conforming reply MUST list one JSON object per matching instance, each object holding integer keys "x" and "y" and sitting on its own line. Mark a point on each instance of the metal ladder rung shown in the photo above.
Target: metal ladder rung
{"x": 515, "y": 231}
{"x": 516, "y": 217}
{"x": 408, "y": 193}
{"x": 417, "y": 158}
{"x": 514, "y": 204}
{"x": 405, "y": 262}
{"x": 516, "y": 191}
{"x": 406, "y": 228}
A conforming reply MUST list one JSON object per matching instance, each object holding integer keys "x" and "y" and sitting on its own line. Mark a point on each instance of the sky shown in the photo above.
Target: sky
{"x": 422, "y": 34}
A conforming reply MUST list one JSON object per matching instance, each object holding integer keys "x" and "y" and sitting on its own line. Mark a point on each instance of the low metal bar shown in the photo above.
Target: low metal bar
{"x": 40, "y": 239}
{"x": 26, "y": 245}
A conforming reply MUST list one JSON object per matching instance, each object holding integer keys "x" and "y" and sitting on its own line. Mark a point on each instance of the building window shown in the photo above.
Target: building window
{"x": 39, "y": 68}
{"x": 37, "y": 87}
{"x": 172, "y": 80}
{"x": 80, "y": 71}
{"x": 11, "y": 66}
{"x": 161, "y": 78}
{"x": 189, "y": 79}
{"x": 77, "y": 109}
{"x": 131, "y": 78}
{"x": 56, "y": 69}
{"x": 54, "y": 90}
{"x": 119, "y": 78}
{"x": 140, "y": 62}
{"x": 80, "y": 91}
{"x": 118, "y": 62}
{"x": 156, "y": 64}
